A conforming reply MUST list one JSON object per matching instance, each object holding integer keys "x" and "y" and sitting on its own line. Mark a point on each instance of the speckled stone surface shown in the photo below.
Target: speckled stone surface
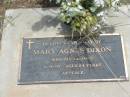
{"x": 43, "y": 23}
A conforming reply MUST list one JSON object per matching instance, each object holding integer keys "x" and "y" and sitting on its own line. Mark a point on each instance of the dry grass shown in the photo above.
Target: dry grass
{"x": 37, "y": 3}
{"x": 28, "y": 3}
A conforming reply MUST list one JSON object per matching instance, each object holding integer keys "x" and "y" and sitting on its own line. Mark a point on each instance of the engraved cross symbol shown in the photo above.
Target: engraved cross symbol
{"x": 29, "y": 44}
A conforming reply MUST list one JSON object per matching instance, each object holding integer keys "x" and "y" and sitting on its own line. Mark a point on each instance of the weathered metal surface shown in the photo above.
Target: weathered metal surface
{"x": 61, "y": 59}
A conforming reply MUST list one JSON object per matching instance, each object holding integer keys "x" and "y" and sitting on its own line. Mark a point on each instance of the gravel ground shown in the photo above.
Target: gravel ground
{"x": 1, "y": 18}
{"x": 38, "y": 3}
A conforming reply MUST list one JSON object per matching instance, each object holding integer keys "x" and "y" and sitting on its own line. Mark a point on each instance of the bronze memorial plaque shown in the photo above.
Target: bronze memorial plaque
{"x": 62, "y": 59}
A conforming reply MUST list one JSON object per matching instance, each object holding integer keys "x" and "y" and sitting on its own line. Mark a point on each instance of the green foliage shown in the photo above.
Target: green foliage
{"x": 82, "y": 15}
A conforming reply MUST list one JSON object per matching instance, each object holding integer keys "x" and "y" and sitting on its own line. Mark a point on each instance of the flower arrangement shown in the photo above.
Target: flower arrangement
{"x": 85, "y": 16}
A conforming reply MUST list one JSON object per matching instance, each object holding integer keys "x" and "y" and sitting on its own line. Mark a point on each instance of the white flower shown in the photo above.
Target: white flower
{"x": 115, "y": 2}
{"x": 100, "y": 14}
{"x": 77, "y": 1}
{"x": 99, "y": 2}
{"x": 80, "y": 7}
{"x": 69, "y": 3}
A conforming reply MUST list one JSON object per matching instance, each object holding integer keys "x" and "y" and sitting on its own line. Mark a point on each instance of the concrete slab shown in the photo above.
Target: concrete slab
{"x": 43, "y": 23}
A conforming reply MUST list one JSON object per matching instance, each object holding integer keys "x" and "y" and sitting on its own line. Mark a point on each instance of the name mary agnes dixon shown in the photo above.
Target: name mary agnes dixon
{"x": 72, "y": 51}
